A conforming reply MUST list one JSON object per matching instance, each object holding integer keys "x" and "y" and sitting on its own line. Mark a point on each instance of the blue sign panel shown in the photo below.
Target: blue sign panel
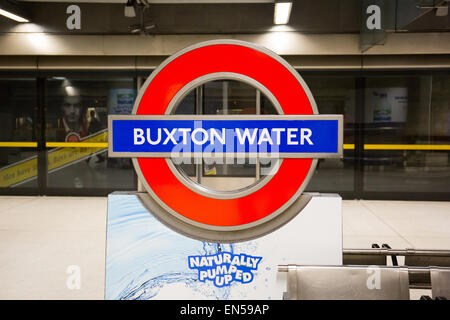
{"x": 153, "y": 137}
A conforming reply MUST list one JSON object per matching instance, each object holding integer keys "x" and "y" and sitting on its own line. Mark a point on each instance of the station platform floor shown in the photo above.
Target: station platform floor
{"x": 40, "y": 237}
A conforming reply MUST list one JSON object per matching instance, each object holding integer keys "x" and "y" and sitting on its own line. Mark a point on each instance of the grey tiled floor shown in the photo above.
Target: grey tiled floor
{"x": 40, "y": 237}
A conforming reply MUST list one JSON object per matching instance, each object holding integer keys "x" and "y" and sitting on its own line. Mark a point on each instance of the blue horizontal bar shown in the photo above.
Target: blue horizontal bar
{"x": 227, "y": 136}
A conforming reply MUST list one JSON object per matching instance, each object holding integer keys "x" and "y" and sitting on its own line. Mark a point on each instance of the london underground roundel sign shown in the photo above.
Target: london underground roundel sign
{"x": 156, "y": 140}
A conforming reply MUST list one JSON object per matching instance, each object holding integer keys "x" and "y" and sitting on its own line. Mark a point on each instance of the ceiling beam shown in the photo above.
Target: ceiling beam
{"x": 283, "y": 43}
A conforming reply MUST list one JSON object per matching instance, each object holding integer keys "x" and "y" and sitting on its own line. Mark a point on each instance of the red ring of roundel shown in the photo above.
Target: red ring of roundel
{"x": 251, "y": 63}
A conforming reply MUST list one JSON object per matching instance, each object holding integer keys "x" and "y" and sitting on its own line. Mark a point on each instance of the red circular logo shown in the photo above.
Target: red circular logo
{"x": 227, "y": 59}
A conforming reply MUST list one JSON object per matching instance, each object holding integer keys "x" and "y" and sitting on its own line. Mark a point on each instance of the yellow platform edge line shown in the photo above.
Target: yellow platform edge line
{"x": 77, "y": 144}
{"x": 86, "y": 145}
{"x": 346, "y": 146}
{"x": 19, "y": 144}
{"x": 406, "y": 147}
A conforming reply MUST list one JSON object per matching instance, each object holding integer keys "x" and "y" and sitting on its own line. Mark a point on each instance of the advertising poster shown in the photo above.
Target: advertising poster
{"x": 121, "y": 100}
{"x": 145, "y": 259}
{"x": 386, "y": 105}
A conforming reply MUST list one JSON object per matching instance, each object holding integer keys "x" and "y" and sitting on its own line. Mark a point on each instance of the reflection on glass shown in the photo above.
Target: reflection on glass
{"x": 77, "y": 111}
{"x": 405, "y": 111}
{"x": 335, "y": 95}
{"x": 225, "y": 97}
{"x": 18, "y": 165}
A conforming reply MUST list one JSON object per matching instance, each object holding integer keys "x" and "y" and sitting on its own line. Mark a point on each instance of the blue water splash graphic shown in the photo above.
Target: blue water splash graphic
{"x": 144, "y": 256}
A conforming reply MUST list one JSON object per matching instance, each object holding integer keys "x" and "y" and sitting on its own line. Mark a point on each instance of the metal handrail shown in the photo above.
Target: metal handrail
{"x": 422, "y": 271}
{"x": 399, "y": 252}
{"x": 419, "y": 277}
